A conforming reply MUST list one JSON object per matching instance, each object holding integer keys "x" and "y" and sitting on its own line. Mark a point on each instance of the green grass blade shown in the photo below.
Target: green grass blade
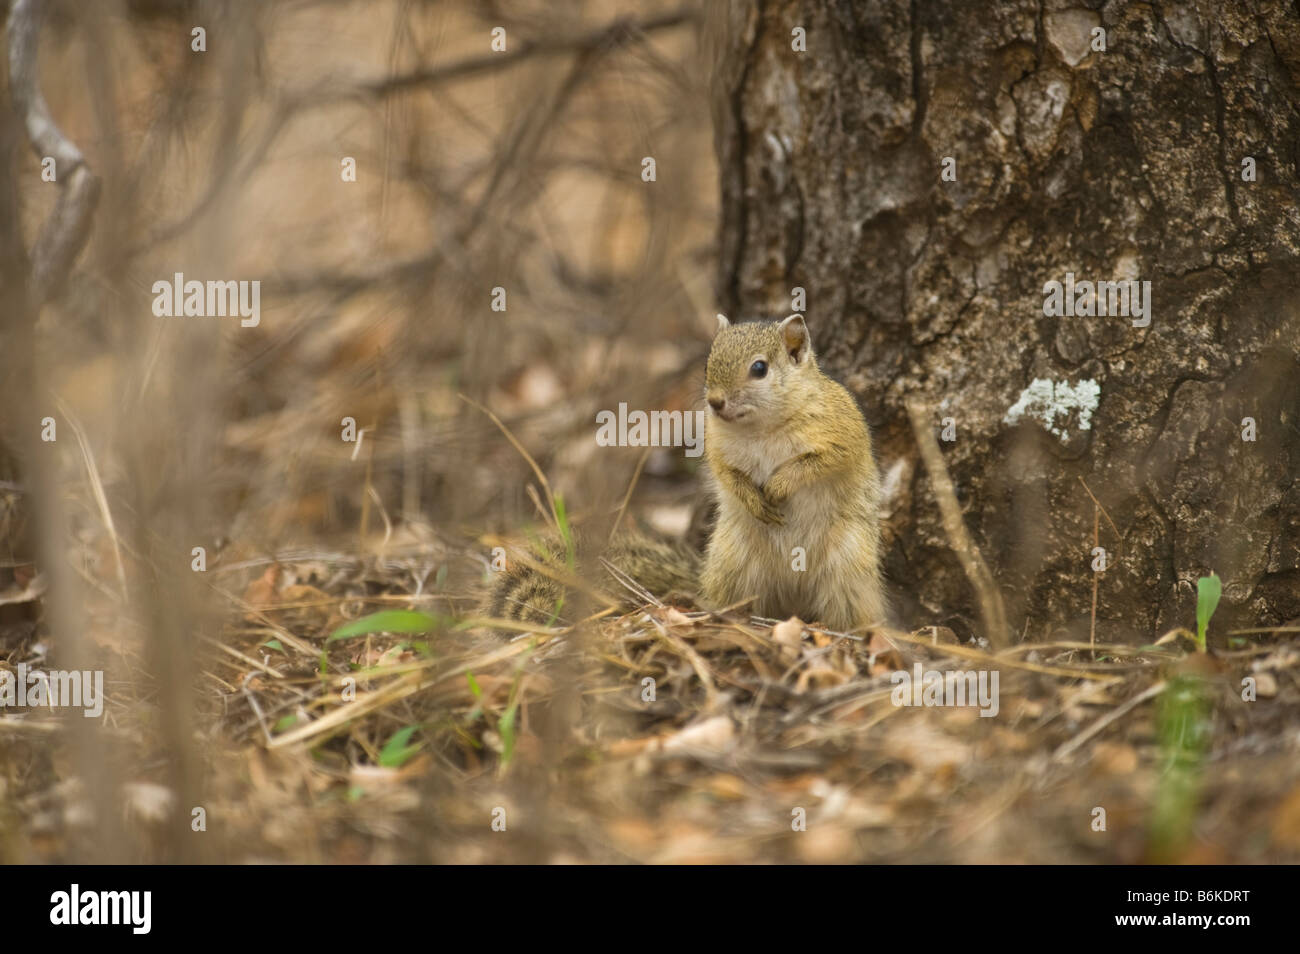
{"x": 396, "y": 751}
{"x": 1208, "y": 590}
{"x": 387, "y": 621}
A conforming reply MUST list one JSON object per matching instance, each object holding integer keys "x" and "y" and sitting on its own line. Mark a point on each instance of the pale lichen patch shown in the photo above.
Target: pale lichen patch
{"x": 1052, "y": 402}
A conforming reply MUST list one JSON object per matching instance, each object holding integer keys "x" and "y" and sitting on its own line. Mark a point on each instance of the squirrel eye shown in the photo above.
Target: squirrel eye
{"x": 758, "y": 369}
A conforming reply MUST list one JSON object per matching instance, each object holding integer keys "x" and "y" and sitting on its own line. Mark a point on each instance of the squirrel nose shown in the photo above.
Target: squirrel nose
{"x": 717, "y": 401}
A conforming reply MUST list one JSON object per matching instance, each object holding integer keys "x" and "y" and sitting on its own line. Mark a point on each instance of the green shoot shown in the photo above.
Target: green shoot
{"x": 396, "y": 751}
{"x": 566, "y": 532}
{"x": 506, "y": 725}
{"x": 1183, "y": 728}
{"x": 1208, "y": 590}
{"x": 284, "y": 722}
{"x": 387, "y": 621}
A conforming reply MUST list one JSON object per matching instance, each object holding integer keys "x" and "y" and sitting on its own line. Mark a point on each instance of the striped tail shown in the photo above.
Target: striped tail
{"x": 527, "y": 594}
{"x": 667, "y": 570}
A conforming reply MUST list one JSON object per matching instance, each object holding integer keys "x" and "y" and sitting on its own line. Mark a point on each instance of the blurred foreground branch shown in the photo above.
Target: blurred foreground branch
{"x": 65, "y": 232}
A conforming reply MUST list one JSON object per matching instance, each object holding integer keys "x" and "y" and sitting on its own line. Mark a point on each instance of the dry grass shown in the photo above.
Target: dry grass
{"x": 748, "y": 722}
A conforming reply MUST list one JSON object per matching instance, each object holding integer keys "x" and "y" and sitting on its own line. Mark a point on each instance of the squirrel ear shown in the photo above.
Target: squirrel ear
{"x": 794, "y": 336}
{"x": 722, "y": 322}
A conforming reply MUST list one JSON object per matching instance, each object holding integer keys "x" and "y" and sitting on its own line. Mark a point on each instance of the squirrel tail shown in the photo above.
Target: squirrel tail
{"x": 529, "y": 594}
{"x": 534, "y": 592}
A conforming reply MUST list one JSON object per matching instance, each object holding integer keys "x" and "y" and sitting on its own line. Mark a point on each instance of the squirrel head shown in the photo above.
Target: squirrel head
{"x": 760, "y": 370}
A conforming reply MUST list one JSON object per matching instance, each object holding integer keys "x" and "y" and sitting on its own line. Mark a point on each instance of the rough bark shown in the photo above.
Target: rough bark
{"x": 1122, "y": 164}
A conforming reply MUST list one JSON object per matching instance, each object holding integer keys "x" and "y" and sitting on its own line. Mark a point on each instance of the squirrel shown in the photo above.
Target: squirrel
{"x": 797, "y": 489}
{"x": 797, "y": 493}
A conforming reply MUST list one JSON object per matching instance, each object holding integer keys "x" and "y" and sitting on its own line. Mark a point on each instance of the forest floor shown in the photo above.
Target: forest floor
{"x": 667, "y": 735}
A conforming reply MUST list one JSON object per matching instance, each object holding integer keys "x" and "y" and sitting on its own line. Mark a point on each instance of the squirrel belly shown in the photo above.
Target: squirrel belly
{"x": 822, "y": 563}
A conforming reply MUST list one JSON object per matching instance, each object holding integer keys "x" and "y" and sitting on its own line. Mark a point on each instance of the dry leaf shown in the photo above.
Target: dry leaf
{"x": 261, "y": 592}
{"x": 726, "y": 786}
{"x": 1265, "y": 685}
{"x": 147, "y": 801}
{"x": 1115, "y": 758}
{"x": 1286, "y": 820}
{"x": 713, "y": 734}
{"x": 885, "y": 655}
{"x": 675, "y": 617}
{"x": 28, "y": 587}
{"x": 789, "y": 636}
{"x": 824, "y": 844}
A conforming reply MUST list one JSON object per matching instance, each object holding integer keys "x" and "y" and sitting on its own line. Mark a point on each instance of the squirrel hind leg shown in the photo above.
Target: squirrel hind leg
{"x": 668, "y": 570}
{"x": 870, "y": 607}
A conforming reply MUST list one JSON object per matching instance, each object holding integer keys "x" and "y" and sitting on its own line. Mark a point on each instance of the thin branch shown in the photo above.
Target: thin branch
{"x": 621, "y": 30}
{"x": 628, "y": 496}
{"x": 1119, "y": 548}
{"x": 977, "y": 571}
{"x": 1069, "y": 747}
{"x": 66, "y": 230}
{"x": 332, "y": 91}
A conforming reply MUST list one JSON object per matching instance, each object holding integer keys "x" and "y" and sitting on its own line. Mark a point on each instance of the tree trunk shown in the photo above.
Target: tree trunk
{"x": 1128, "y": 163}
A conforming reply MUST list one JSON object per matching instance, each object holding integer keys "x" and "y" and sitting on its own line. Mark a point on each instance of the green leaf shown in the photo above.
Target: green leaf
{"x": 473, "y": 685}
{"x": 274, "y": 644}
{"x": 1208, "y": 590}
{"x": 1184, "y": 731}
{"x": 506, "y": 727}
{"x": 285, "y": 722}
{"x": 387, "y": 621}
{"x": 396, "y": 752}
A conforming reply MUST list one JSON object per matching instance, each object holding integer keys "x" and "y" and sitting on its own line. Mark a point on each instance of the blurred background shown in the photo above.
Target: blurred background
{"x": 501, "y": 251}
{"x": 476, "y": 168}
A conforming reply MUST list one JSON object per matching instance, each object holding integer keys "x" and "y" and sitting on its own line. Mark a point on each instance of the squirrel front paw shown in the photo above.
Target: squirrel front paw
{"x": 777, "y": 489}
{"x": 765, "y": 509}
